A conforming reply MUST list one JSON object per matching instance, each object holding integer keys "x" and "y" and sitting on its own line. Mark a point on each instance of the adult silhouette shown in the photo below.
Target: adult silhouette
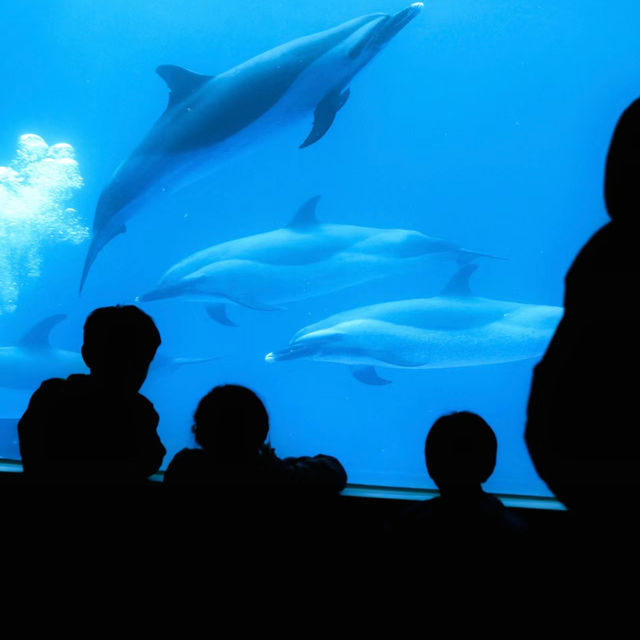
{"x": 580, "y": 431}
{"x": 97, "y": 428}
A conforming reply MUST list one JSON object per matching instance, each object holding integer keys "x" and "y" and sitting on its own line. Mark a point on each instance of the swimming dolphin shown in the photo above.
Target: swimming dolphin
{"x": 454, "y": 329}
{"x": 209, "y": 118}
{"x": 304, "y": 259}
{"x": 32, "y": 359}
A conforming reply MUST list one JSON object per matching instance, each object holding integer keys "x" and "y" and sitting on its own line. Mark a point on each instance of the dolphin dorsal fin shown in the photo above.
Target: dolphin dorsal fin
{"x": 38, "y": 336}
{"x": 459, "y": 283}
{"x": 306, "y": 215}
{"x": 181, "y": 82}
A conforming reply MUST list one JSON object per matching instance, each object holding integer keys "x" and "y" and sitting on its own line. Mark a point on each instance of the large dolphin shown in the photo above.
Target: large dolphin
{"x": 209, "y": 118}
{"x": 32, "y": 359}
{"x": 304, "y": 259}
{"x": 454, "y": 329}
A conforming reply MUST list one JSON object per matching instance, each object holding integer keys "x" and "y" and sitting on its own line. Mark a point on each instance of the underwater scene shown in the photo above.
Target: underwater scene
{"x": 362, "y": 210}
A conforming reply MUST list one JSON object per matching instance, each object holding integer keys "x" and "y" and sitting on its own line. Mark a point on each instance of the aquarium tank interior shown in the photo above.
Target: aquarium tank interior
{"x": 363, "y": 210}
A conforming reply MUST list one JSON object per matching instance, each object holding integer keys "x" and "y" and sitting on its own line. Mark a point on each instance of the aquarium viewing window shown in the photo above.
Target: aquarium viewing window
{"x": 361, "y": 210}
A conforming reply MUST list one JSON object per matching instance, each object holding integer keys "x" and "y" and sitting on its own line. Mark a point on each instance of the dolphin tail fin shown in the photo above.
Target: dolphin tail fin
{"x": 172, "y": 364}
{"x": 368, "y": 375}
{"x": 91, "y": 256}
{"x": 97, "y": 243}
{"x": 325, "y": 114}
{"x": 38, "y": 336}
{"x": 180, "y": 362}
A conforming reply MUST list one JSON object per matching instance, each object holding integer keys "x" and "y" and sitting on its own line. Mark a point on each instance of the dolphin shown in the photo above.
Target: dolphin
{"x": 209, "y": 118}
{"x": 454, "y": 329}
{"x": 304, "y": 259}
{"x": 32, "y": 359}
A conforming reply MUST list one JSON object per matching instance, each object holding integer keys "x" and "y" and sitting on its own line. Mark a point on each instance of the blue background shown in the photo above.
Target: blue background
{"x": 484, "y": 122}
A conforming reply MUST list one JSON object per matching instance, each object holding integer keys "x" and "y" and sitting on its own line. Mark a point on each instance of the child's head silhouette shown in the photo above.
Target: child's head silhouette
{"x": 231, "y": 422}
{"x": 460, "y": 451}
{"x": 119, "y": 345}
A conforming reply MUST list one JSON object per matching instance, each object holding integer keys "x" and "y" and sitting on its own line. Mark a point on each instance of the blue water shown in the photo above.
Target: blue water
{"x": 483, "y": 122}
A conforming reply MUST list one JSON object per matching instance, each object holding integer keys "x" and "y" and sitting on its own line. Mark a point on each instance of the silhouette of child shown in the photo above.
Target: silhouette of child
{"x": 231, "y": 425}
{"x": 460, "y": 454}
{"x": 97, "y": 428}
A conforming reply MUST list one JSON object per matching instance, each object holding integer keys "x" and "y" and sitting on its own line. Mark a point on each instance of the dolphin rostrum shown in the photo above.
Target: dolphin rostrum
{"x": 305, "y": 259}
{"x": 32, "y": 359}
{"x": 208, "y": 118}
{"x": 454, "y": 329}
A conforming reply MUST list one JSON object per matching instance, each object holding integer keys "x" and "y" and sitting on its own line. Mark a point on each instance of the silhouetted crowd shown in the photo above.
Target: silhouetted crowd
{"x": 98, "y": 430}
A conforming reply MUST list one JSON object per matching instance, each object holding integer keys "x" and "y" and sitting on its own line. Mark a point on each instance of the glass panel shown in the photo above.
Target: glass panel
{"x": 477, "y": 136}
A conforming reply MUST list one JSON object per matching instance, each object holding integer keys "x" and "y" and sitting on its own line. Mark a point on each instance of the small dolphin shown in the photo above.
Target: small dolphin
{"x": 209, "y": 118}
{"x": 455, "y": 329}
{"x": 26, "y": 364}
{"x": 305, "y": 259}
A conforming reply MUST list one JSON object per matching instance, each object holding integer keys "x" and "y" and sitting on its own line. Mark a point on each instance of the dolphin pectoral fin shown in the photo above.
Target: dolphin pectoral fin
{"x": 368, "y": 375}
{"x": 325, "y": 114}
{"x": 218, "y": 312}
{"x": 181, "y": 82}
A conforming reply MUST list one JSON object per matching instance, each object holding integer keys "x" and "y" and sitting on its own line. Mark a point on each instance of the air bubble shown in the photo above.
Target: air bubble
{"x": 34, "y": 190}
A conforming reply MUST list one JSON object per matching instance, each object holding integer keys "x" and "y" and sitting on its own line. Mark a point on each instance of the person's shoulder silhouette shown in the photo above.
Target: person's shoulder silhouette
{"x": 235, "y": 485}
{"x": 460, "y": 455}
{"x": 578, "y": 432}
{"x": 97, "y": 428}
{"x": 230, "y": 427}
